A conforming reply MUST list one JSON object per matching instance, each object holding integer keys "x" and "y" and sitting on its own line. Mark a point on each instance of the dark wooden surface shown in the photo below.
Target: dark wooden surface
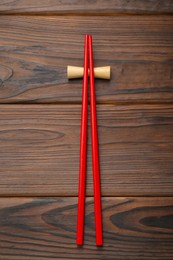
{"x": 86, "y": 6}
{"x": 35, "y": 51}
{"x": 40, "y": 126}
{"x": 40, "y": 150}
{"x": 44, "y": 228}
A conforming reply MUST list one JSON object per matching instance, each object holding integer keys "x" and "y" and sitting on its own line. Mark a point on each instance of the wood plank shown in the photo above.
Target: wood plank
{"x": 133, "y": 228}
{"x": 35, "y": 51}
{"x": 86, "y": 7}
{"x": 39, "y": 150}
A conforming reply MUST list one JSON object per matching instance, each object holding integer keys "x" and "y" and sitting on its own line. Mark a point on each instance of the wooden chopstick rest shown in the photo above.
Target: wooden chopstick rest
{"x": 74, "y": 72}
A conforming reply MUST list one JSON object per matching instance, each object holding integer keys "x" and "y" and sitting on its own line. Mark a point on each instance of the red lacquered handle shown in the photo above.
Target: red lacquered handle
{"x": 83, "y": 150}
{"x": 95, "y": 153}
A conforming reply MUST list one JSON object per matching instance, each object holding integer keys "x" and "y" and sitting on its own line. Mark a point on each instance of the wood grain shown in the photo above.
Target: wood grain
{"x": 39, "y": 150}
{"x": 35, "y": 51}
{"x": 85, "y": 6}
{"x": 137, "y": 228}
{"x": 39, "y": 144}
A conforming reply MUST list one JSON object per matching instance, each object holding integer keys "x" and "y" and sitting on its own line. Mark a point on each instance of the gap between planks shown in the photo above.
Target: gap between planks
{"x": 55, "y": 14}
{"x": 118, "y": 103}
{"x": 88, "y": 197}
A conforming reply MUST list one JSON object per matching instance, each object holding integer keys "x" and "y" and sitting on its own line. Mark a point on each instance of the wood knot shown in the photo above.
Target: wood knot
{"x": 5, "y": 73}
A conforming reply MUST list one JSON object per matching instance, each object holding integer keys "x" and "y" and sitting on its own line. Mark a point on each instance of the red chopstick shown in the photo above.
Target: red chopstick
{"x": 83, "y": 150}
{"x": 95, "y": 153}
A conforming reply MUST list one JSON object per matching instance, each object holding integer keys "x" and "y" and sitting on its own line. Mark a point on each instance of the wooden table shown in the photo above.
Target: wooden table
{"x": 40, "y": 125}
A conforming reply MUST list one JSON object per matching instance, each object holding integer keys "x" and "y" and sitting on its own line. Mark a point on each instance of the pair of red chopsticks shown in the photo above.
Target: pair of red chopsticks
{"x": 88, "y": 63}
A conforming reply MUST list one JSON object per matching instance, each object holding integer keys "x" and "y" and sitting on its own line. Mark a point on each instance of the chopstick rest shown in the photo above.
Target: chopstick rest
{"x": 104, "y": 73}
{"x": 74, "y": 72}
